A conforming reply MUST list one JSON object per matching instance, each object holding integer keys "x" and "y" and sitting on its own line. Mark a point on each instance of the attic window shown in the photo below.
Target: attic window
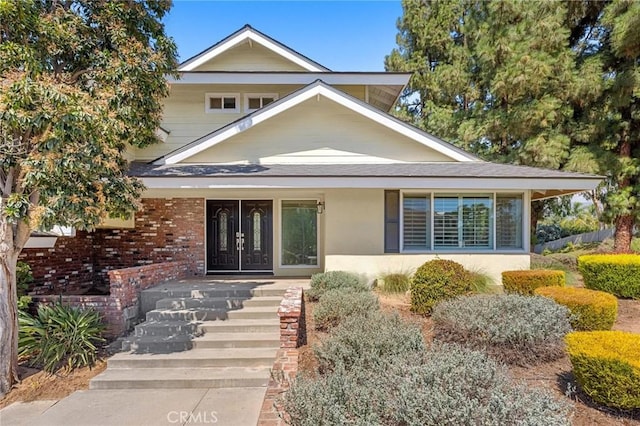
{"x": 222, "y": 102}
{"x": 254, "y": 101}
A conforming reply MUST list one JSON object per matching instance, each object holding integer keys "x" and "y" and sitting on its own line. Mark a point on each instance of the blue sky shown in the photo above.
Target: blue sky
{"x": 341, "y": 35}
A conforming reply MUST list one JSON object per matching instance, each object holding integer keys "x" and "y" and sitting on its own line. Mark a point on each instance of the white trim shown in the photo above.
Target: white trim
{"x": 213, "y": 95}
{"x": 251, "y": 35}
{"x": 316, "y": 266}
{"x": 260, "y": 96}
{"x": 302, "y": 78}
{"x": 318, "y": 89}
{"x": 573, "y": 185}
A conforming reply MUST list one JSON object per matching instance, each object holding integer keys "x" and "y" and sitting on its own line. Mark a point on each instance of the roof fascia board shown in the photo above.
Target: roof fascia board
{"x": 390, "y": 79}
{"x": 317, "y": 88}
{"x": 249, "y": 33}
{"x": 409, "y": 183}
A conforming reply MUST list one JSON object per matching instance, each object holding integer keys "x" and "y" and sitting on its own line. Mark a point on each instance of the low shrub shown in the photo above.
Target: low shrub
{"x": 618, "y": 274}
{"x": 366, "y": 341}
{"x": 448, "y": 385}
{"x": 512, "y": 328}
{"x": 607, "y": 366}
{"x": 336, "y": 305}
{"x": 397, "y": 282}
{"x": 59, "y": 337}
{"x": 525, "y": 282}
{"x": 438, "y": 280}
{"x": 24, "y": 277}
{"x": 323, "y": 282}
{"x": 590, "y": 309}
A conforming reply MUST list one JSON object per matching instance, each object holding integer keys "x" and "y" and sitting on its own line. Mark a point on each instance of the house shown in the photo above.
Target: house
{"x": 271, "y": 163}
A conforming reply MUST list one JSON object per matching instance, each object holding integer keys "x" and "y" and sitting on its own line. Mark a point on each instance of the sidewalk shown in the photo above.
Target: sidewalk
{"x": 224, "y": 407}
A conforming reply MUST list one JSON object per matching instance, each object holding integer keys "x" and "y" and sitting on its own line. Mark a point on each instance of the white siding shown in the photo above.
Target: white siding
{"x": 246, "y": 57}
{"x": 315, "y": 132}
{"x": 186, "y": 120}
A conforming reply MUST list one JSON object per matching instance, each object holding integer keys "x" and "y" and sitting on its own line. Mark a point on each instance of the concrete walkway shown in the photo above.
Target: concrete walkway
{"x": 228, "y": 406}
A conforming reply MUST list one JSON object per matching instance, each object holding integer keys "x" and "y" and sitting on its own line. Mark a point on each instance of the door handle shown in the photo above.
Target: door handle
{"x": 238, "y": 241}
{"x": 242, "y": 241}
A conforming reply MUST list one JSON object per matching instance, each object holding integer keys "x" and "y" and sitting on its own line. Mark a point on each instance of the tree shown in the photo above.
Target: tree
{"x": 611, "y": 123}
{"x": 81, "y": 81}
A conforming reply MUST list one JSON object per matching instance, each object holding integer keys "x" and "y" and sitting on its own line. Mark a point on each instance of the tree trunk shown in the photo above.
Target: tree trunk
{"x": 624, "y": 233}
{"x": 8, "y": 317}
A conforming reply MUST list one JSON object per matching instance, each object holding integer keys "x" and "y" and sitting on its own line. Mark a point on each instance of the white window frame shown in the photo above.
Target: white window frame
{"x": 526, "y": 200}
{"x": 208, "y": 96}
{"x": 260, "y": 96}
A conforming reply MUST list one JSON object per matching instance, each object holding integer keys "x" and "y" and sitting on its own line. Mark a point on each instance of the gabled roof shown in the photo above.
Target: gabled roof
{"x": 317, "y": 88}
{"x": 249, "y": 33}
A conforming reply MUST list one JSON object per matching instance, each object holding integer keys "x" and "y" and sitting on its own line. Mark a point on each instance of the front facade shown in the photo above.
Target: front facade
{"x": 288, "y": 168}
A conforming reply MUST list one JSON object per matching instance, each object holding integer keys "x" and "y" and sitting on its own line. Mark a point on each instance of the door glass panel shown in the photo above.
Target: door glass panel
{"x": 223, "y": 231}
{"x": 256, "y": 231}
{"x": 299, "y": 233}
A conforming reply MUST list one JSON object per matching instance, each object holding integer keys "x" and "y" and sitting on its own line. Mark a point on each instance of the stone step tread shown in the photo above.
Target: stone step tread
{"x": 170, "y": 374}
{"x": 249, "y": 322}
{"x": 161, "y": 339}
{"x": 216, "y": 336}
{"x": 247, "y": 353}
{"x": 273, "y": 309}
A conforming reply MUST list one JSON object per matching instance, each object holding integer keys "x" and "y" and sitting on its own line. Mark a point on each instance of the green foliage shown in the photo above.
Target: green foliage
{"x": 331, "y": 280}
{"x": 366, "y": 341}
{"x": 24, "y": 302}
{"x": 397, "y": 282}
{"x": 336, "y": 305}
{"x": 438, "y": 280}
{"x": 618, "y": 274}
{"x": 590, "y": 309}
{"x": 606, "y": 366}
{"x": 60, "y": 337}
{"x": 24, "y": 277}
{"x": 515, "y": 329}
{"x": 448, "y": 385}
{"x": 525, "y": 282}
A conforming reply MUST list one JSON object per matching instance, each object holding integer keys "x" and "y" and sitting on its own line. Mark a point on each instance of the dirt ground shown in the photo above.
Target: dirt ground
{"x": 37, "y": 385}
{"x": 555, "y": 376}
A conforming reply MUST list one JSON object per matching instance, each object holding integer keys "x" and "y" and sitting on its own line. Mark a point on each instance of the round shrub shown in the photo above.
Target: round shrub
{"x": 367, "y": 340}
{"x": 525, "y": 282}
{"x": 606, "y": 365}
{"x": 591, "y": 309}
{"x": 323, "y": 282}
{"x": 448, "y": 385}
{"x": 515, "y": 329}
{"x": 438, "y": 280}
{"x": 618, "y": 274}
{"x": 336, "y": 305}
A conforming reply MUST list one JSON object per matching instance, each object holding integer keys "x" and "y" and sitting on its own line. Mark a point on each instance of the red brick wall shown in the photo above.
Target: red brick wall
{"x": 165, "y": 230}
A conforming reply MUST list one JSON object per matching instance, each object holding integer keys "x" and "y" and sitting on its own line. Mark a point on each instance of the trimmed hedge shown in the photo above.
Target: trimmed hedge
{"x": 438, "y": 280}
{"x": 606, "y": 365}
{"x": 323, "y": 282}
{"x": 525, "y": 282}
{"x": 515, "y": 329}
{"x": 618, "y": 274}
{"x": 591, "y": 309}
{"x": 336, "y": 305}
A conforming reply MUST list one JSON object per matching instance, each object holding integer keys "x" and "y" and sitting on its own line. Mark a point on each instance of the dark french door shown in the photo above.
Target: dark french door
{"x": 239, "y": 235}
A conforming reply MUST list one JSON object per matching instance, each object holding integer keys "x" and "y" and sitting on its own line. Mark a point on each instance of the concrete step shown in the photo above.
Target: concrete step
{"x": 181, "y": 378}
{"x": 195, "y": 314}
{"x": 256, "y": 312}
{"x": 197, "y": 358}
{"x": 241, "y": 326}
{"x": 167, "y": 328}
{"x": 263, "y": 301}
{"x": 158, "y": 345}
{"x": 181, "y": 303}
{"x": 237, "y": 340}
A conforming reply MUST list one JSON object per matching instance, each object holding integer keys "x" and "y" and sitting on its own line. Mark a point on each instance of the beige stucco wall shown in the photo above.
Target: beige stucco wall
{"x": 318, "y": 130}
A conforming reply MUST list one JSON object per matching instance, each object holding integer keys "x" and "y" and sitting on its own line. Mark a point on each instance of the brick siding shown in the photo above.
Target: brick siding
{"x": 166, "y": 230}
